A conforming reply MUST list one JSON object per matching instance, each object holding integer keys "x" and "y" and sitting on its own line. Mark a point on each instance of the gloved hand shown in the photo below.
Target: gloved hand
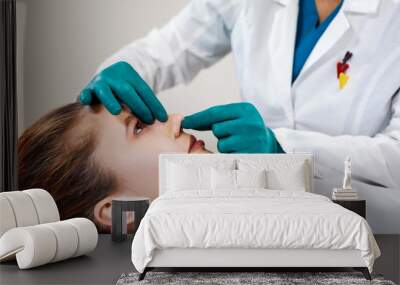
{"x": 121, "y": 83}
{"x": 238, "y": 126}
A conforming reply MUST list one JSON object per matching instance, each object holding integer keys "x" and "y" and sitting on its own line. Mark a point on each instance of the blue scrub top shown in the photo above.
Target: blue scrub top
{"x": 309, "y": 30}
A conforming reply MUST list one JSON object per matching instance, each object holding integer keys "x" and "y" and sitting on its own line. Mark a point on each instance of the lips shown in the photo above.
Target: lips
{"x": 195, "y": 144}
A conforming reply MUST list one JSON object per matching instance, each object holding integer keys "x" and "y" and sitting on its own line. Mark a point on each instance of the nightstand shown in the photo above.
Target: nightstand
{"x": 357, "y": 206}
{"x": 119, "y": 207}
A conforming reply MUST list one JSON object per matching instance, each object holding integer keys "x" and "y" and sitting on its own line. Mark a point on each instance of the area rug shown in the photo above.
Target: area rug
{"x": 244, "y": 278}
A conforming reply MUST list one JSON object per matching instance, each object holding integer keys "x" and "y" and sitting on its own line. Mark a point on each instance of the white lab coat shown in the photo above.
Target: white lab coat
{"x": 362, "y": 120}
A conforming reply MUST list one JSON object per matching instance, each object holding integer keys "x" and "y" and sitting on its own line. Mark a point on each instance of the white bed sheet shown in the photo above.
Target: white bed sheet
{"x": 250, "y": 218}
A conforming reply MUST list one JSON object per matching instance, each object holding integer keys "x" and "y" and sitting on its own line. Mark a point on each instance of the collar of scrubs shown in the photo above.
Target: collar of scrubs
{"x": 309, "y": 30}
{"x": 356, "y": 6}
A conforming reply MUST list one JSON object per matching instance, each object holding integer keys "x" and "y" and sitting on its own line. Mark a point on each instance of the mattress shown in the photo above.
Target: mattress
{"x": 250, "y": 218}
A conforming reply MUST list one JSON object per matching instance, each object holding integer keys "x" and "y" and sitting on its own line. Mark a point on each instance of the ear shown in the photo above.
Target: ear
{"x": 103, "y": 214}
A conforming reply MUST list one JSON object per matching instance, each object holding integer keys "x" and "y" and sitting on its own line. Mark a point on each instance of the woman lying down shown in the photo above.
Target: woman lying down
{"x": 84, "y": 156}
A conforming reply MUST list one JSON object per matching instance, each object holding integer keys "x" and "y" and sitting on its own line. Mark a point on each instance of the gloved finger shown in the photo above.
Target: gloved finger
{"x": 124, "y": 91}
{"x": 254, "y": 144}
{"x": 204, "y": 120}
{"x": 228, "y": 144}
{"x": 106, "y": 97}
{"x": 235, "y": 127}
{"x": 250, "y": 145}
{"x": 224, "y": 129}
{"x": 147, "y": 95}
{"x": 152, "y": 102}
{"x": 85, "y": 97}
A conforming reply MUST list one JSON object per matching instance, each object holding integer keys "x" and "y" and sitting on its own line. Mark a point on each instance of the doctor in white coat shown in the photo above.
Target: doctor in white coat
{"x": 320, "y": 76}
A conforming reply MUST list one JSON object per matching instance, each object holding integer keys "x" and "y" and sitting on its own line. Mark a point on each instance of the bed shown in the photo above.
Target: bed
{"x": 247, "y": 211}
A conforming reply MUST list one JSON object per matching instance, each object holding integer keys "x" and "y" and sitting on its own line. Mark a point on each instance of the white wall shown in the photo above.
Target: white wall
{"x": 65, "y": 40}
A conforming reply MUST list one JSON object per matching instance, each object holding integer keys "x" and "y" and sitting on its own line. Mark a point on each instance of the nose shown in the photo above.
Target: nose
{"x": 174, "y": 121}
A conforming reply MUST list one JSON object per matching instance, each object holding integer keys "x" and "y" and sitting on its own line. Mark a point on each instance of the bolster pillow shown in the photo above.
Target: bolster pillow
{"x": 40, "y": 244}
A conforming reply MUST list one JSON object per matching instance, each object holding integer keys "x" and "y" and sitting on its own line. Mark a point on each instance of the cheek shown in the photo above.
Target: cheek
{"x": 141, "y": 164}
{"x": 146, "y": 149}
{"x": 137, "y": 170}
{"x": 136, "y": 162}
{"x": 158, "y": 141}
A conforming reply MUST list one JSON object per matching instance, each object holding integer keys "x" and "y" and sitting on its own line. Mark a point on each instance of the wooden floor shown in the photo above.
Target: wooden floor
{"x": 110, "y": 260}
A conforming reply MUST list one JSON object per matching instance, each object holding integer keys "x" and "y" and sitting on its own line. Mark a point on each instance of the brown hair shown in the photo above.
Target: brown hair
{"x": 55, "y": 154}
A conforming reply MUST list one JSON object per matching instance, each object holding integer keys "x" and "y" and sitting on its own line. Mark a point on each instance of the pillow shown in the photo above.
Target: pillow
{"x": 235, "y": 179}
{"x": 181, "y": 177}
{"x": 203, "y": 160}
{"x": 193, "y": 173}
{"x": 287, "y": 177}
{"x": 282, "y": 174}
{"x": 223, "y": 179}
{"x": 251, "y": 178}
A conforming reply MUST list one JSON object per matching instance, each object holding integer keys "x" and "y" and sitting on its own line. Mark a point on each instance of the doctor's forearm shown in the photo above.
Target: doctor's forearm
{"x": 376, "y": 159}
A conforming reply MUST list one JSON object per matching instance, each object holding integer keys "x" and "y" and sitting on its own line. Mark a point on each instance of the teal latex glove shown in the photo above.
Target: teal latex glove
{"x": 238, "y": 126}
{"x": 120, "y": 83}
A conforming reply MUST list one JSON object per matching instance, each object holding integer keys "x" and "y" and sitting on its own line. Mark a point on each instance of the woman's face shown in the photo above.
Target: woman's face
{"x": 130, "y": 149}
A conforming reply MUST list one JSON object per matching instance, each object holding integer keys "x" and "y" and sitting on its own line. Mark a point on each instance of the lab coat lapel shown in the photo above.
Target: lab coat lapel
{"x": 335, "y": 31}
{"x": 339, "y": 26}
